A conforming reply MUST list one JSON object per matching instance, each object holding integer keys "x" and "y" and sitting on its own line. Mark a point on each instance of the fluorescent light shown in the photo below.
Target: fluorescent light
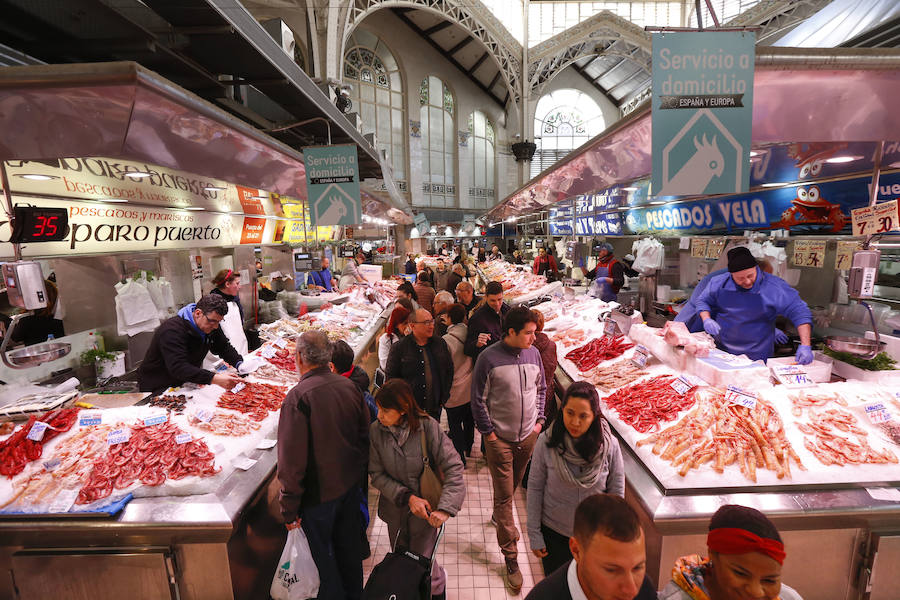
{"x": 235, "y": 212}
{"x": 772, "y": 184}
{"x": 656, "y": 203}
{"x": 629, "y": 189}
{"x": 754, "y": 153}
{"x": 192, "y": 208}
{"x": 213, "y": 188}
{"x": 259, "y": 197}
{"x": 449, "y": 231}
{"x": 112, "y": 200}
{"x": 138, "y": 174}
{"x": 37, "y": 177}
{"x": 842, "y": 159}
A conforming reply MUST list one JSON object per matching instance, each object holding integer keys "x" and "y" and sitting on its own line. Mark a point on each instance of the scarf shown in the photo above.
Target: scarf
{"x": 689, "y": 574}
{"x": 400, "y": 432}
{"x": 569, "y": 458}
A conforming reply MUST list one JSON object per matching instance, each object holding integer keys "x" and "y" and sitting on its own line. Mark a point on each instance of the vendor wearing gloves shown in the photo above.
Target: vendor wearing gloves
{"x": 228, "y": 285}
{"x": 738, "y": 308}
{"x": 180, "y": 344}
{"x": 608, "y": 275}
{"x": 322, "y": 279}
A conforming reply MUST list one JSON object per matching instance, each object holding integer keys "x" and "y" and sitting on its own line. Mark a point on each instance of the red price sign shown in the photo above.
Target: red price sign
{"x": 886, "y": 217}
{"x": 863, "y": 220}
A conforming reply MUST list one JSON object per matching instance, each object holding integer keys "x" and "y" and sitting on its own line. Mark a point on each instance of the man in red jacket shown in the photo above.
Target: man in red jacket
{"x": 544, "y": 264}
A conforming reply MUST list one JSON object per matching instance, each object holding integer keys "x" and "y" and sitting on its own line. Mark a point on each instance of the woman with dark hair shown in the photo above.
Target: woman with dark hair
{"x": 407, "y": 291}
{"x": 228, "y": 285}
{"x": 393, "y": 332}
{"x": 576, "y": 458}
{"x": 459, "y": 410}
{"x": 745, "y": 559}
{"x": 398, "y": 442}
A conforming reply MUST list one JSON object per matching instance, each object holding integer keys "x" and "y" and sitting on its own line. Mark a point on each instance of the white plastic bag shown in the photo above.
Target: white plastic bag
{"x": 297, "y": 577}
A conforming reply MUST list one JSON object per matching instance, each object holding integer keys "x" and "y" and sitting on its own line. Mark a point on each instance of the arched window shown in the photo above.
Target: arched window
{"x": 438, "y": 143}
{"x": 481, "y": 139}
{"x": 563, "y": 120}
{"x": 378, "y": 96}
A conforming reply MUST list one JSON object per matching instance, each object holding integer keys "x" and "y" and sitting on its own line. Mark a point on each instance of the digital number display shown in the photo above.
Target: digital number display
{"x": 31, "y": 224}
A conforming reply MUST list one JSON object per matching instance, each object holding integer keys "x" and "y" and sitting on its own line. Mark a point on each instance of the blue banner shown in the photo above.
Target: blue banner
{"x": 332, "y": 183}
{"x": 804, "y": 209}
{"x": 702, "y": 111}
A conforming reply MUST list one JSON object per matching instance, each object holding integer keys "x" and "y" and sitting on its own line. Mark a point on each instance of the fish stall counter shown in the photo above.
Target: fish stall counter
{"x": 700, "y": 428}
{"x": 153, "y": 496}
{"x": 520, "y": 285}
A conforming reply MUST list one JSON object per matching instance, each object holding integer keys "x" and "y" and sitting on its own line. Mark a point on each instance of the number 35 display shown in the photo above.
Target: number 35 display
{"x": 32, "y": 224}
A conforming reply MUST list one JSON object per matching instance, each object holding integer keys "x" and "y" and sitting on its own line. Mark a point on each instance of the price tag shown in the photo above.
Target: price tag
{"x": 698, "y": 247}
{"x": 244, "y": 463}
{"x": 793, "y": 376}
{"x": 714, "y": 248}
{"x": 863, "y": 219}
{"x": 204, "y": 415}
{"x": 89, "y": 419}
{"x": 886, "y": 216}
{"x": 37, "y": 431}
{"x": 640, "y": 356}
{"x": 156, "y": 418}
{"x": 682, "y": 385}
{"x": 183, "y": 438}
{"x": 63, "y": 502}
{"x": 267, "y": 351}
{"x": 844, "y": 256}
{"x": 118, "y": 436}
{"x": 609, "y": 328}
{"x": 280, "y": 342}
{"x": 809, "y": 253}
{"x": 266, "y": 443}
{"x": 878, "y": 413}
{"x": 736, "y": 395}
{"x": 51, "y": 464}
{"x": 238, "y": 387}
{"x": 219, "y": 448}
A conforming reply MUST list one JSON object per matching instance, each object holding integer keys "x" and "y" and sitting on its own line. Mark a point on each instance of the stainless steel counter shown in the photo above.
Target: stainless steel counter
{"x": 833, "y": 538}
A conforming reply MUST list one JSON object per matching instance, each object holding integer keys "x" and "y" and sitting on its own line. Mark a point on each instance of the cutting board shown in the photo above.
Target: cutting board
{"x": 113, "y": 400}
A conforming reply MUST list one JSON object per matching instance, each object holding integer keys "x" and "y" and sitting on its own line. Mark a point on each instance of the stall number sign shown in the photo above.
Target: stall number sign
{"x": 882, "y": 217}
{"x": 736, "y": 395}
{"x": 698, "y": 248}
{"x": 878, "y": 413}
{"x": 714, "y": 248}
{"x": 793, "y": 376}
{"x": 37, "y": 431}
{"x": 640, "y": 356}
{"x": 809, "y": 253}
{"x": 843, "y": 259}
{"x": 682, "y": 385}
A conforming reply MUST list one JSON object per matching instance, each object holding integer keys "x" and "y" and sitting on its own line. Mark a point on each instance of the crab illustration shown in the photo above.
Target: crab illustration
{"x": 810, "y": 208}
{"x": 811, "y": 156}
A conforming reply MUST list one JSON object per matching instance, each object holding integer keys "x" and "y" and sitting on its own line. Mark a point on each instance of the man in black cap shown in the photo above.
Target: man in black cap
{"x": 739, "y": 309}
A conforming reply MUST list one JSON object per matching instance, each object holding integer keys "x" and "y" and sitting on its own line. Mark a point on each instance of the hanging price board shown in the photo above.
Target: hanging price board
{"x": 844, "y": 256}
{"x": 698, "y": 247}
{"x": 736, "y": 395}
{"x": 887, "y": 217}
{"x": 809, "y": 253}
{"x": 714, "y": 248}
{"x": 640, "y": 356}
{"x": 863, "y": 219}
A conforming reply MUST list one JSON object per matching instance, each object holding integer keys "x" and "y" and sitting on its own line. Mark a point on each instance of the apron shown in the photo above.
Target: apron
{"x": 747, "y": 325}
{"x": 233, "y": 328}
{"x": 600, "y": 288}
{"x": 543, "y": 267}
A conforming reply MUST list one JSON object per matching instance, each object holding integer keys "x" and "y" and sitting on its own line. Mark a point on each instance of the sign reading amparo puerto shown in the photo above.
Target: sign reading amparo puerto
{"x": 97, "y": 227}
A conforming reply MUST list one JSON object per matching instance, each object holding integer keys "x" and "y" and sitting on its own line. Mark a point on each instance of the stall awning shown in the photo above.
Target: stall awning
{"x": 800, "y": 95}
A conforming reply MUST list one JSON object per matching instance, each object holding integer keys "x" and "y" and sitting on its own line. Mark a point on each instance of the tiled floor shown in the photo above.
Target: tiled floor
{"x": 469, "y": 551}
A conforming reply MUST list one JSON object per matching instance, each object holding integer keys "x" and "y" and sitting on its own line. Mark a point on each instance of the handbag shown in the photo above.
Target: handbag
{"x": 431, "y": 483}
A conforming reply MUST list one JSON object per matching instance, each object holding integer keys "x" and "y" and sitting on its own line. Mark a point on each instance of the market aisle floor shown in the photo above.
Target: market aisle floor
{"x": 469, "y": 551}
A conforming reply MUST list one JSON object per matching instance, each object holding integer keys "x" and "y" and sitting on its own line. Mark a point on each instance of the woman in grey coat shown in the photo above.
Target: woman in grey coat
{"x": 396, "y": 465}
{"x": 576, "y": 458}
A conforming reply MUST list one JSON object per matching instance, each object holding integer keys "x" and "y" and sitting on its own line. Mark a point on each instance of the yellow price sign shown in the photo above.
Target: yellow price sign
{"x": 809, "y": 253}
{"x": 714, "y": 248}
{"x": 844, "y": 256}
{"x": 698, "y": 248}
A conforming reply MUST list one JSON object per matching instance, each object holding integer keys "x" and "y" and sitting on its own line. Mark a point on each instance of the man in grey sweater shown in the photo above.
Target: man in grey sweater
{"x": 508, "y": 392}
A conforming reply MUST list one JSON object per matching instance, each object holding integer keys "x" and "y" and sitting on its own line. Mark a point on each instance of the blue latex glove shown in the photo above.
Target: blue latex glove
{"x": 711, "y": 327}
{"x": 804, "y": 355}
{"x": 581, "y": 262}
{"x": 781, "y": 337}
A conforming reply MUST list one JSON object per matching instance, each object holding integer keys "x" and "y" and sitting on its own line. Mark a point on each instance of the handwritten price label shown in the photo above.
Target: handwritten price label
{"x": 878, "y": 413}
{"x": 844, "y": 256}
{"x": 809, "y": 253}
{"x": 609, "y": 328}
{"x": 736, "y": 395}
{"x": 267, "y": 351}
{"x": 37, "y": 431}
{"x": 204, "y": 415}
{"x": 640, "y": 356}
{"x": 682, "y": 385}
{"x": 793, "y": 376}
{"x": 63, "y": 502}
{"x": 118, "y": 436}
{"x": 89, "y": 419}
{"x": 183, "y": 438}
{"x": 698, "y": 248}
{"x": 238, "y": 387}
{"x": 714, "y": 248}
{"x": 156, "y": 419}
{"x": 863, "y": 220}
{"x": 887, "y": 217}
{"x": 280, "y": 342}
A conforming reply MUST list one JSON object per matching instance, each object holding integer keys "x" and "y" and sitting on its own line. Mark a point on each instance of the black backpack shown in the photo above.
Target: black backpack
{"x": 402, "y": 575}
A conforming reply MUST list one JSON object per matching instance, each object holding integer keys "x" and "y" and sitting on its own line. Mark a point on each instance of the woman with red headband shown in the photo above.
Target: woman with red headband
{"x": 228, "y": 285}
{"x": 745, "y": 558}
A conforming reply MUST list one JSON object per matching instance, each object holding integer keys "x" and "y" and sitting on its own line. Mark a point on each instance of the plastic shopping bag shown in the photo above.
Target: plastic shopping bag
{"x": 297, "y": 577}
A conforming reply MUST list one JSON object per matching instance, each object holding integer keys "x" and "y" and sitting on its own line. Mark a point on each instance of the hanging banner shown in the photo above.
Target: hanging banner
{"x": 332, "y": 183}
{"x": 702, "y": 110}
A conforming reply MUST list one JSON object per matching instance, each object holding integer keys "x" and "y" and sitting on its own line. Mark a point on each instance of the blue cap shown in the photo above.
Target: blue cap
{"x": 606, "y": 246}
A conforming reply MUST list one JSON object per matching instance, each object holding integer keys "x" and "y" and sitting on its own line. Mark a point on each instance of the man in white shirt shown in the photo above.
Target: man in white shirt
{"x": 610, "y": 561}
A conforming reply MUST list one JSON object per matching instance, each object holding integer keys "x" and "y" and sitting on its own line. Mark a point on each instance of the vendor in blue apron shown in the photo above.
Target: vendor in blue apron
{"x": 322, "y": 279}
{"x": 608, "y": 275}
{"x": 738, "y": 308}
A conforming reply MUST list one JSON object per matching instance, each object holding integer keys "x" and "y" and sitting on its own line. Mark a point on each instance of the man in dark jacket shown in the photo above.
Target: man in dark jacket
{"x": 424, "y": 362}
{"x": 181, "y": 343}
{"x": 323, "y": 455}
{"x": 610, "y": 558}
{"x": 547, "y": 348}
{"x": 457, "y": 275}
{"x": 465, "y": 295}
{"x": 485, "y": 323}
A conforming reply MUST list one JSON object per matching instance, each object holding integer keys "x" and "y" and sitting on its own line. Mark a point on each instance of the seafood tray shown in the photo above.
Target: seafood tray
{"x": 35, "y": 403}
